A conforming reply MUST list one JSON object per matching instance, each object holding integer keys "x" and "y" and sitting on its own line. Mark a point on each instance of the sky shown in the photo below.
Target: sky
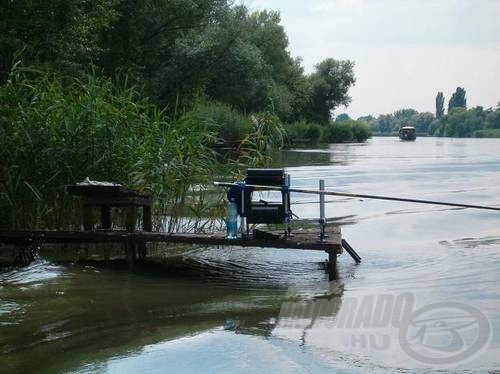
{"x": 405, "y": 51}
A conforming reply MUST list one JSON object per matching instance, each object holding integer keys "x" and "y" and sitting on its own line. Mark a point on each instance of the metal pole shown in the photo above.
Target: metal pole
{"x": 390, "y": 198}
{"x": 322, "y": 218}
{"x": 243, "y": 226}
{"x": 287, "y": 202}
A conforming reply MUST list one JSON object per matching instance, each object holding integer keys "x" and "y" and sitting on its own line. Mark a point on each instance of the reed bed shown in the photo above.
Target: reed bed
{"x": 55, "y": 133}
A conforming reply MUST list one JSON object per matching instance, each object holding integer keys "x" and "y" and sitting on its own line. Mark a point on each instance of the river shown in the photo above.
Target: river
{"x": 218, "y": 309}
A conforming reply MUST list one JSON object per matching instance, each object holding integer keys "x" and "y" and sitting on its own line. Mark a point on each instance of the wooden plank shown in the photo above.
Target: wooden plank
{"x": 302, "y": 240}
{"x": 104, "y": 191}
{"x": 118, "y": 201}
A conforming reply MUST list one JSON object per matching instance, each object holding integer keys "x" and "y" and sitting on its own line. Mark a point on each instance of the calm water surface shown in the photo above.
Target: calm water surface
{"x": 217, "y": 310}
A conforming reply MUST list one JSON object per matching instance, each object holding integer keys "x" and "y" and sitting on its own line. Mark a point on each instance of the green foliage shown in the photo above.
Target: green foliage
{"x": 175, "y": 50}
{"x": 404, "y": 115}
{"x": 59, "y": 124}
{"x": 439, "y": 105}
{"x": 178, "y": 49}
{"x": 361, "y": 131}
{"x": 63, "y": 35}
{"x": 223, "y": 121}
{"x": 422, "y": 121}
{"x": 302, "y": 132}
{"x": 435, "y": 128}
{"x": 52, "y": 135}
{"x": 457, "y": 100}
{"x": 330, "y": 85}
{"x": 267, "y": 134}
{"x": 391, "y": 123}
{"x": 346, "y": 131}
{"x": 493, "y": 118}
{"x": 342, "y": 117}
{"x": 490, "y": 133}
{"x": 461, "y": 122}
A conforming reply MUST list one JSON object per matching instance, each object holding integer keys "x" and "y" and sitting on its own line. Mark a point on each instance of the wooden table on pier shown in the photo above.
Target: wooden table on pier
{"x": 109, "y": 196}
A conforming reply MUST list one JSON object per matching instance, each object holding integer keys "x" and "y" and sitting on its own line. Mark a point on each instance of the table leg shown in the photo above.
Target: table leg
{"x": 106, "y": 217}
{"x": 131, "y": 217}
{"x": 146, "y": 218}
{"x": 87, "y": 217}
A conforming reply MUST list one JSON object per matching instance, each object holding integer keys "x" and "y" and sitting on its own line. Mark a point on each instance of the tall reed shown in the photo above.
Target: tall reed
{"x": 54, "y": 134}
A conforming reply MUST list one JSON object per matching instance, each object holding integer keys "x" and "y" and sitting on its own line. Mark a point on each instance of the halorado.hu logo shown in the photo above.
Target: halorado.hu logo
{"x": 440, "y": 334}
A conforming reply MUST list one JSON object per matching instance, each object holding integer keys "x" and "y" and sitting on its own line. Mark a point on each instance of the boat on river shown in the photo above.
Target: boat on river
{"x": 407, "y": 133}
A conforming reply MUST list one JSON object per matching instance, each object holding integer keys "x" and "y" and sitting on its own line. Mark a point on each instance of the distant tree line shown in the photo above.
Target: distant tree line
{"x": 391, "y": 123}
{"x": 461, "y": 122}
{"x": 458, "y": 122}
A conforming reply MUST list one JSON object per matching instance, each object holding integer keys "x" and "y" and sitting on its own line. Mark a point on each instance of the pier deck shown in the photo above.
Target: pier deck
{"x": 134, "y": 242}
{"x": 302, "y": 239}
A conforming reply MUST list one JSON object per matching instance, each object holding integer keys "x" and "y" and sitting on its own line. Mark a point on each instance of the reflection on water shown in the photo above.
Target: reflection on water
{"x": 218, "y": 309}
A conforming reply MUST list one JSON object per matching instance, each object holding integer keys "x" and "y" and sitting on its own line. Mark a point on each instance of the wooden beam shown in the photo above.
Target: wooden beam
{"x": 304, "y": 240}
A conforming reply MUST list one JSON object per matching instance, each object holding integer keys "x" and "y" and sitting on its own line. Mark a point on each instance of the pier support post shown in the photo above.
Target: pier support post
{"x": 130, "y": 254}
{"x": 147, "y": 220}
{"x": 130, "y": 247}
{"x": 331, "y": 265}
{"x": 107, "y": 253}
{"x": 26, "y": 253}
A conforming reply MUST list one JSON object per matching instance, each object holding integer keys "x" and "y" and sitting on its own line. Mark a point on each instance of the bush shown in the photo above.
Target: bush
{"x": 52, "y": 135}
{"x": 303, "y": 132}
{"x": 346, "y": 131}
{"x": 490, "y": 133}
{"x": 228, "y": 124}
{"x": 361, "y": 131}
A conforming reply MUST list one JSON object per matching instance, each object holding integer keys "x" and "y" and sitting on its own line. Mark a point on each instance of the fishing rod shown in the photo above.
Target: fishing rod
{"x": 346, "y": 194}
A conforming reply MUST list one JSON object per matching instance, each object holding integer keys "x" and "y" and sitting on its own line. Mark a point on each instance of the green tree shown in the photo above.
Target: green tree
{"x": 493, "y": 119}
{"x": 457, "y": 100}
{"x": 403, "y": 117}
{"x": 439, "y": 105}
{"x": 422, "y": 121}
{"x": 342, "y": 117}
{"x": 384, "y": 123}
{"x": 330, "y": 85}
{"x": 63, "y": 35}
{"x": 461, "y": 122}
{"x": 178, "y": 49}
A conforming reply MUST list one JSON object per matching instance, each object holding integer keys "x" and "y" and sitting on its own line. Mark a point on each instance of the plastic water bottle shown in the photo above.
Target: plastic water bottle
{"x": 232, "y": 219}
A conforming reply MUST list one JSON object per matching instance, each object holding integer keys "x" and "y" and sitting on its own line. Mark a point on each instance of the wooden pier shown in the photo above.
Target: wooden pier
{"x": 304, "y": 239}
{"x": 106, "y": 196}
